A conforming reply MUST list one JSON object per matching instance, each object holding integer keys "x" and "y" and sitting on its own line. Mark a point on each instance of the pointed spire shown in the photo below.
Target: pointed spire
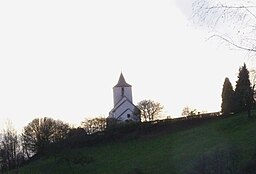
{"x": 121, "y": 82}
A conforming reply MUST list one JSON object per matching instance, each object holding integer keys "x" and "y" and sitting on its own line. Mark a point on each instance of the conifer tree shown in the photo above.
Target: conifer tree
{"x": 243, "y": 92}
{"x": 227, "y": 95}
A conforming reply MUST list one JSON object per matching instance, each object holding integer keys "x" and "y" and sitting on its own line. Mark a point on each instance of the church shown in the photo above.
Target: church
{"x": 124, "y": 110}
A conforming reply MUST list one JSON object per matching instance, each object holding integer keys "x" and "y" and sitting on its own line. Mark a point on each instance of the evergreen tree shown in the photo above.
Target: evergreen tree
{"x": 227, "y": 95}
{"x": 243, "y": 92}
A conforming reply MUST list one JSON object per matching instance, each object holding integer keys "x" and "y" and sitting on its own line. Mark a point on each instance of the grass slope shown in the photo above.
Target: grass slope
{"x": 174, "y": 152}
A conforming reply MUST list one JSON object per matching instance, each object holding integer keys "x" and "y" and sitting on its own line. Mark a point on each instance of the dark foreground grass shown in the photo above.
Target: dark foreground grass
{"x": 175, "y": 152}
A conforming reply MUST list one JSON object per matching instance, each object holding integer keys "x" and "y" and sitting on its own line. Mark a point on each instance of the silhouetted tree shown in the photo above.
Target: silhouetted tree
{"x": 94, "y": 125}
{"x": 243, "y": 92}
{"x": 10, "y": 151}
{"x": 227, "y": 105}
{"x": 61, "y": 130}
{"x": 186, "y": 111}
{"x": 150, "y": 110}
{"x": 39, "y": 133}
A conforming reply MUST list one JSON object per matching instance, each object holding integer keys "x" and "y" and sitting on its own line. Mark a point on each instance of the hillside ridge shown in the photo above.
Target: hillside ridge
{"x": 181, "y": 150}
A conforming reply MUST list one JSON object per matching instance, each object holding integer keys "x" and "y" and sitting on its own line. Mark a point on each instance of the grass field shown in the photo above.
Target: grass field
{"x": 175, "y": 152}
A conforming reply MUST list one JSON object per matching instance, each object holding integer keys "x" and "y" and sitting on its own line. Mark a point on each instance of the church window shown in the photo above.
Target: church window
{"x": 122, "y": 91}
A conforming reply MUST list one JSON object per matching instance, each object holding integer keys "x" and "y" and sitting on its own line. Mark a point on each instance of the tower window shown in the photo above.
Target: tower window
{"x": 122, "y": 91}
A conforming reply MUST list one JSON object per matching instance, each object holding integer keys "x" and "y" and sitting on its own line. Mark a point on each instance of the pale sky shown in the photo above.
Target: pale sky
{"x": 61, "y": 58}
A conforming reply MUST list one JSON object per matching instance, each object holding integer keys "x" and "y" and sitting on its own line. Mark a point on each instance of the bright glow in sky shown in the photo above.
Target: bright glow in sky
{"x": 61, "y": 58}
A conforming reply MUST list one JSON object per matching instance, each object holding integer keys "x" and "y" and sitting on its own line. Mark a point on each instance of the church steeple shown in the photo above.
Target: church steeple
{"x": 122, "y": 89}
{"x": 121, "y": 82}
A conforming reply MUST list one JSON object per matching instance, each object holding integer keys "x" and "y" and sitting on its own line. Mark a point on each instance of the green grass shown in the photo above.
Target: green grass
{"x": 174, "y": 152}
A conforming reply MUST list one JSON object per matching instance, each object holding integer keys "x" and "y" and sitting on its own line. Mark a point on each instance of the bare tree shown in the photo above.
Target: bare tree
{"x": 150, "y": 110}
{"x": 10, "y": 151}
{"x": 232, "y": 21}
{"x": 39, "y": 133}
{"x": 186, "y": 111}
{"x": 61, "y": 130}
{"x": 94, "y": 125}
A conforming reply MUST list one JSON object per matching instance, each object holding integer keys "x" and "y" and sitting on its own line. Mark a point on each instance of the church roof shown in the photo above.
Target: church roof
{"x": 121, "y": 102}
{"x": 121, "y": 82}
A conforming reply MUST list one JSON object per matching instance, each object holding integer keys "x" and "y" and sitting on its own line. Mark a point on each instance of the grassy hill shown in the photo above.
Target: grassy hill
{"x": 227, "y": 141}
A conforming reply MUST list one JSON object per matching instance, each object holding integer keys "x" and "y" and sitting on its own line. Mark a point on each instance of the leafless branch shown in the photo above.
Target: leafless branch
{"x": 230, "y": 7}
{"x": 234, "y": 44}
{"x": 237, "y": 22}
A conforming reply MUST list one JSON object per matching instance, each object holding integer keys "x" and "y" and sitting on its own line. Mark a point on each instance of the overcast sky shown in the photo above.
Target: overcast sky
{"x": 60, "y": 59}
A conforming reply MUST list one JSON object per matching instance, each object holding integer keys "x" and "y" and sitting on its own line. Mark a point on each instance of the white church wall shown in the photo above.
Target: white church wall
{"x": 125, "y": 106}
{"x": 128, "y": 115}
{"x": 117, "y": 95}
{"x": 128, "y": 93}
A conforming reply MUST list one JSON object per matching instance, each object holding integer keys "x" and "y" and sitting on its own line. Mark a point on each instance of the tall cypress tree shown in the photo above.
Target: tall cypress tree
{"x": 227, "y": 95}
{"x": 243, "y": 92}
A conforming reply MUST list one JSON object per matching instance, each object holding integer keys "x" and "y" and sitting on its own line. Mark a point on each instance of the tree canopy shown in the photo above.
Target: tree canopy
{"x": 39, "y": 133}
{"x": 10, "y": 149}
{"x": 188, "y": 111}
{"x": 94, "y": 125}
{"x": 150, "y": 110}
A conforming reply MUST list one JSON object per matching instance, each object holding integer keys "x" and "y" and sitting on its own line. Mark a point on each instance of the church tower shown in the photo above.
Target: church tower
{"x": 122, "y": 89}
{"x": 124, "y": 110}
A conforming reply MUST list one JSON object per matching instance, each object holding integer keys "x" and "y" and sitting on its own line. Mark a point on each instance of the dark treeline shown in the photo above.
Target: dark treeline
{"x": 240, "y": 99}
{"x": 46, "y": 136}
{"x": 78, "y": 137}
{"x": 34, "y": 140}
